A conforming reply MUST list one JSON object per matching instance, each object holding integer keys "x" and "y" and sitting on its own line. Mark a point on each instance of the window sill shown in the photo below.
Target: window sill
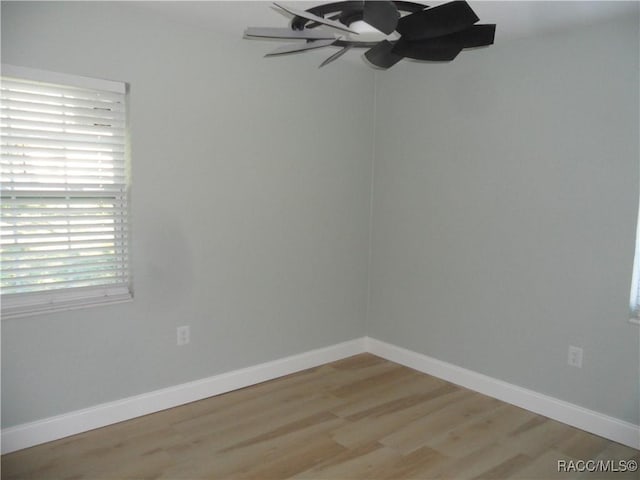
{"x": 635, "y": 321}
{"x": 17, "y": 308}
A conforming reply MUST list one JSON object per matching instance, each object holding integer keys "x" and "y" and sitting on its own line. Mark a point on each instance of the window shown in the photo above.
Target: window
{"x": 635, "y": 282}
{"x": 64, "y": 187}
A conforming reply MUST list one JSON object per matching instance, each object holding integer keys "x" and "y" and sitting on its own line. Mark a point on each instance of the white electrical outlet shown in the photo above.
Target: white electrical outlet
{"x": 183, "y": 335}
{"x": 575, "y": 356}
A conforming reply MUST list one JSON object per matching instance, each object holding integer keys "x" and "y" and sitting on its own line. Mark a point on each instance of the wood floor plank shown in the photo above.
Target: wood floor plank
{"x": 506, "y": 468}
{"x": 363, "y": 360}
{"x": 301, "y": 424}
{"x": 545, "y": 467}
{"x": 353, "y": 467}
{"x": 380, "y": 427}
{"x": 479, "y": 461}
{"x": 294, "y": 461}
{"x": 204, "y": 460}
{"x": 371, "y": 383}
{"x": 474, "y": 434}
{"x": 395, "y": 389}
{"x": 338, "y": 461}
{"x": 441, "y": 415}
{"x": 362, "y": 417}
{"x": 582, "y": 445}
{"x": 545, "y": 436}
{"x": 615, "y": 451}
{"x": 418, "y": 464}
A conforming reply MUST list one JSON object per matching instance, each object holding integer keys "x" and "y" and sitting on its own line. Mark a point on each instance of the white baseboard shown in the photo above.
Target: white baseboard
{"x": 60, "y": 426}
{"x": 565, "y": 412}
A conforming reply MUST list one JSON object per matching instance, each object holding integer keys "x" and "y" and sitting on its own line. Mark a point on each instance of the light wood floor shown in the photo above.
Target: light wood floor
{"x": 362, "y": 417}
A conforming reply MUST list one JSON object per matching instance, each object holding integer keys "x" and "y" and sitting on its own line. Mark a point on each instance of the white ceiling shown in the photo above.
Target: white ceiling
{"x": 513, "y": 18}
{"x": 529, "y": 18}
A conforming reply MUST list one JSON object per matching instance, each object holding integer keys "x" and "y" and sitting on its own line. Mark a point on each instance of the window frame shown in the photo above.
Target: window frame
{"x": 634, "y": 301}
{"x": 69, "y": 298}
{"x": 634, "y": 297}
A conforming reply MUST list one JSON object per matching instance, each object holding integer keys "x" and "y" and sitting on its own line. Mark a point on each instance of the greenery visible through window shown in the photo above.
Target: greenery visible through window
{"x": 64, "y": 230}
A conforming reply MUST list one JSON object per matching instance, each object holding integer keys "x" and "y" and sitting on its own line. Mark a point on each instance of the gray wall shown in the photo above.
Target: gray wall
{"x": 505, "y": 200}
{"x": 250, "y": 206}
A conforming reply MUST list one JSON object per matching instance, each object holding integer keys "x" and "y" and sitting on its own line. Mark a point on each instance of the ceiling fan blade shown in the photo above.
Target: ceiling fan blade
{"x": 268, "y": 32}
{"x": 441, "y": 49}
{"x": 335, "y": 56}
{"x": 316, "y": 24}
{"x": 446, "y": 48}
{"x": 382, "y": 55}
{"x": 437, "y": 21}
{"x": 382, "y": 15}
{"x": 477, "y": 35}
{"x": 299, "y": 47}
{"x": 315, "y": 18}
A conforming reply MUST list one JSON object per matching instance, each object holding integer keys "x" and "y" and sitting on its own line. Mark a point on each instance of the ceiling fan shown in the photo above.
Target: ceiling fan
{"x": 412, "y": 30}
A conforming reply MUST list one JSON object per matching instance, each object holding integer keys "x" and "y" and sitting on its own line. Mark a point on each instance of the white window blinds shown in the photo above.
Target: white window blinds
{"x": 64, "y": 231}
